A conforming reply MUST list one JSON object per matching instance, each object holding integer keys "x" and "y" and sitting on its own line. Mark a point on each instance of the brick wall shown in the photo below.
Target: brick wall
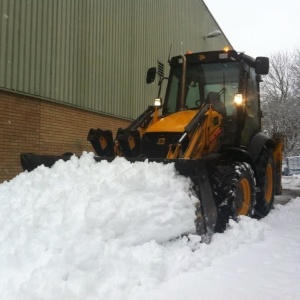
{"x": 37, "y": 126}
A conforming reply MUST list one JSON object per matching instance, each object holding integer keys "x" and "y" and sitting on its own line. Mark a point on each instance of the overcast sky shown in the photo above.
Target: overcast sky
{"x": 259, "y": 27}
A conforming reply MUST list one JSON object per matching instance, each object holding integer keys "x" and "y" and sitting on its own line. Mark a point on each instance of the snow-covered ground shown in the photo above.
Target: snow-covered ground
{"x": 87, "y": 230}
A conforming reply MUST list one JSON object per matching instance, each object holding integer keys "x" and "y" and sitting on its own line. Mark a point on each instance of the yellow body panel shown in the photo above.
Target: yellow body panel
{"x": 173, "y": 123}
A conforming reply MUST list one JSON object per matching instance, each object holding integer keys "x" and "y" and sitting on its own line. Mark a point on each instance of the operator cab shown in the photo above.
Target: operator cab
{"x": 205, "y": 74}
{"x": 226, "y": 79}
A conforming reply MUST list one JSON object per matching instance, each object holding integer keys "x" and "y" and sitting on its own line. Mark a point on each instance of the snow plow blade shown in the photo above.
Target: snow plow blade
{"x": 195, "y": 169}
{"x": 31, "y": 161}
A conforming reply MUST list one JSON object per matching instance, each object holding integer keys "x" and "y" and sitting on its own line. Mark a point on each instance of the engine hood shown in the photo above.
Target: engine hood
{"x": 175, "y": 122}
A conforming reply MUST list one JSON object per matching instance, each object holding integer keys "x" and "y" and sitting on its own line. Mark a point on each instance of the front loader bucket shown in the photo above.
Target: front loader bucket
{"x": 206, "y": 213}
{"x": 195, "y": 169}
{"x": 30, "y": 161}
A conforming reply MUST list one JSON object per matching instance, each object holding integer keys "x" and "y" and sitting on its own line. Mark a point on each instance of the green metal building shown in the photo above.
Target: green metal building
{"x": 94, "y": 54}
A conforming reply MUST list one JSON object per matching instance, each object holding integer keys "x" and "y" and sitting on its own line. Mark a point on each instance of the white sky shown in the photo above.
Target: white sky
{"x": 258, "y": 27}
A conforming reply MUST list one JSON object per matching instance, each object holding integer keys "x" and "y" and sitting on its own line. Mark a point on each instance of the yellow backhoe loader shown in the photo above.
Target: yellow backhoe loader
{"x": 209, "y": 126}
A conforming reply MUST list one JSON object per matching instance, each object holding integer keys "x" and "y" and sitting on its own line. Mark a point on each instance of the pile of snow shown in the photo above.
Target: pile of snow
{"x": 87, "y": 230}
{"x": 76, "y": 225}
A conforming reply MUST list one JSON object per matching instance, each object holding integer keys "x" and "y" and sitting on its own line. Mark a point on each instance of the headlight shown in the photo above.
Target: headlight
{"x": 158, "y": 102}
{"x": 238, "y": 99}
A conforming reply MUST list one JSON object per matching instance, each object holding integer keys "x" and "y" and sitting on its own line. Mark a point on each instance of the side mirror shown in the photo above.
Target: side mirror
{"x": 151, "y": 73}
{"x": 262, "y": 65}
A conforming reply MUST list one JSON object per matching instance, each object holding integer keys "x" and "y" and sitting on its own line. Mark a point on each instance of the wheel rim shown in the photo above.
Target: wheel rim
{"x": 269, "y": 183}
{"x": 243, "y": 197}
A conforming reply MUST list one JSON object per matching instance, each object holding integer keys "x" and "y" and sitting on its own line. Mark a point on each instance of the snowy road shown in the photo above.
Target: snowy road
{"x": 287, "y": 195}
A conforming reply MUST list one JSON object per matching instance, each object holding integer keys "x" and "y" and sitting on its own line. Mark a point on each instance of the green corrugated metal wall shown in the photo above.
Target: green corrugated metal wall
{"x": 94, "y": 54}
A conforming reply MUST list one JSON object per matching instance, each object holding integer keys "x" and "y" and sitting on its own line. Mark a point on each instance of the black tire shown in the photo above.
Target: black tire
{"x": 265, "y": 183}
{"x": 234, "y": 192}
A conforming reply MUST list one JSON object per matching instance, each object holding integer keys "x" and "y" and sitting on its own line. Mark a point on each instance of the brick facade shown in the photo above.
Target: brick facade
{"x": 37, "y": 126}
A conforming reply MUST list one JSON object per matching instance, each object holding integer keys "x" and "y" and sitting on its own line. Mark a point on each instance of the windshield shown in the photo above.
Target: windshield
{"x": 201, "y": 80}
